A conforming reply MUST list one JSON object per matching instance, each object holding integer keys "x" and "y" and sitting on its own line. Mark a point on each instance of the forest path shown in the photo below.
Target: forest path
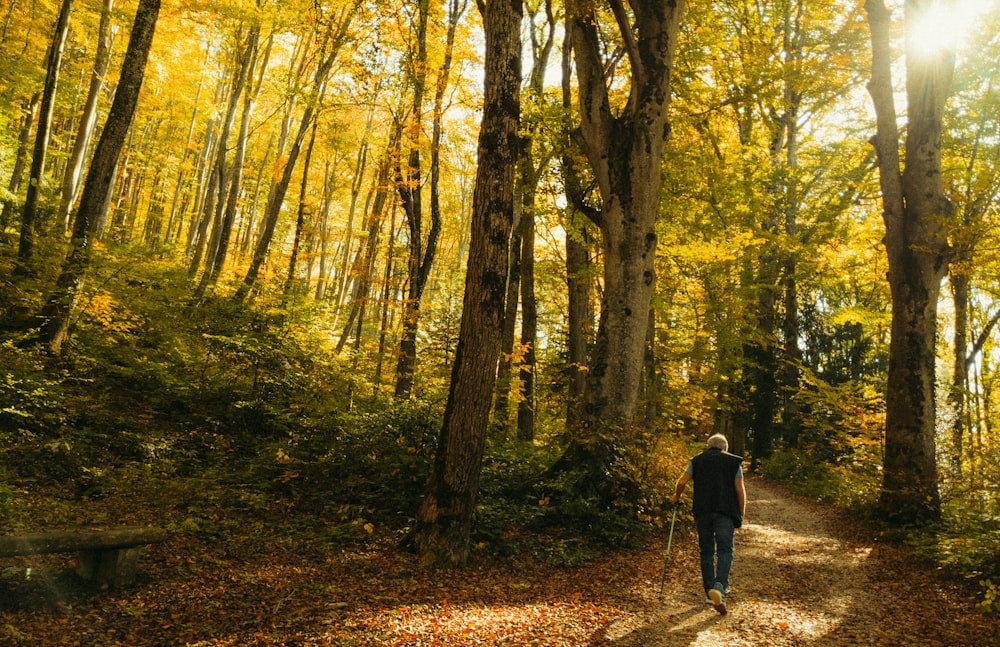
{"x": 804, "y": 575}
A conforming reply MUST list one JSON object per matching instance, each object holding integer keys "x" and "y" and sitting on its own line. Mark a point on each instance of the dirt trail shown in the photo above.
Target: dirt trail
{"x": 805, "y": 576}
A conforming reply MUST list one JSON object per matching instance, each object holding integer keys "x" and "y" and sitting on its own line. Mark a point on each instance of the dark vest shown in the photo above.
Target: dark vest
{"x": 714, "y": 474}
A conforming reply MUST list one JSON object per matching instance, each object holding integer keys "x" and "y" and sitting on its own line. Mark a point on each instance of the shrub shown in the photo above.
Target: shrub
{"x": 852, "y": 484}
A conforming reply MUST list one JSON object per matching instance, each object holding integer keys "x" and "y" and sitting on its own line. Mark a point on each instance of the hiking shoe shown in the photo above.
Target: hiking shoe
{"x": 718, "y": 601}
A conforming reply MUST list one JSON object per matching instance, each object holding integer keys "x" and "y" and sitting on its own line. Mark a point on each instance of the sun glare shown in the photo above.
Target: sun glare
{"x": 945, "y": 25}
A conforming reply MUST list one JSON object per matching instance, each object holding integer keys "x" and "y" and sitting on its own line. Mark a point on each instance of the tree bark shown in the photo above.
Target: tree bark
{"x": 789, "y": 374}
{"x": 444, "y": 521}
{"x": 422, "y": 254}
{"x": 357, "y": 181}
{"x": 364, "y": 264}
{"x": 580, "y": 322}
{"x": 17, "y": 174}
{"x": 529, "y": 318}
{"x": 409, "y": 184}
{"x": 226, "y": 209}
{"x": 965, "y": 238}
{"x": 959, "y": 282}
{"x": 74, "y": 167}
{"x": 916, "y": 213}
{"x": 336, "y": 38}
{"x": 215, "y": 147}
{"x": 505, "y": 369}
{"x": 580, "y": 310}
{"x": 29, "y": 213}
{"x": 624, "y": 153}
{"x": 531, "y": 166}
{"x": 57, "y": 312}
{"x": 300, "y": 220}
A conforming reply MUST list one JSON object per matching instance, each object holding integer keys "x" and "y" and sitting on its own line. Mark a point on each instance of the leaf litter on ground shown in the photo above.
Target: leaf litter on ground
{"x": 803, "y": 576}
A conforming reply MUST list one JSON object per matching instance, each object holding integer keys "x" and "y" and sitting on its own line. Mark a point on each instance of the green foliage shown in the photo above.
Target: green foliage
{"x": 566, "y": 553}
{"x": 612, "y": 506}
{"x": 852, "y": 483}
{"x": 991, "y": 596}
{"x": 376, "y": 462}
{"x": 836, "y": 455}
{"x": 6, "y": 494}
{"x": 966, "y": 543}
{"x": 31, "y": 398}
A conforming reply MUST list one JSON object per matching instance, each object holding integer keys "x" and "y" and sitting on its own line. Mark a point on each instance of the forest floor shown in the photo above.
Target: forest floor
{"x": 804, "y": 575}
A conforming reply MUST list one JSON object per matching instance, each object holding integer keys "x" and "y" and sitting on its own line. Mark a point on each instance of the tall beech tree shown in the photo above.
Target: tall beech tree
{"x": 444, "y": 521}
{"x": 532, "y": 163}
{"x": 579, "y": 301}
{"x": 623, "y": 142}
{"x": 231, "y": 176}
{"x": 976, "y": 150}
{"x": 364, "y": 262}
{"x": 916, "y": 213}
{"x": 57, "y": 312}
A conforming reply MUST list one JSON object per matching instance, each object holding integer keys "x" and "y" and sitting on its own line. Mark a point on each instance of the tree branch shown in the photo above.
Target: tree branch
{"x": 983, "y": 336}
{"x": 628, "y": 38}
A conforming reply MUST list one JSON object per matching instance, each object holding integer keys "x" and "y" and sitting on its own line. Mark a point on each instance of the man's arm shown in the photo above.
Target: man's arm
{"x": 681, "y": 484}
{"x": 741, "y": 496}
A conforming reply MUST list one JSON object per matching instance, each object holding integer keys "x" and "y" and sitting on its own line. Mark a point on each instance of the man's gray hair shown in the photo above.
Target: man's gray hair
{"x": 718, "y": 441}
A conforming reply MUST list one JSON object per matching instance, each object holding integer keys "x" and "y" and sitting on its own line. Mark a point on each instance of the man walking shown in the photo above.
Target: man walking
{"x": 719, "y": 505}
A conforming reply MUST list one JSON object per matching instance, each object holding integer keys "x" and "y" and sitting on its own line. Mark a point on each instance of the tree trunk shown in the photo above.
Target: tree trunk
{"x": 56, "y": 314}
{"x": 444, "y": 521}
{"x": 300, "y": 220}
{"x": 336, "y": 37}
{"x": 24, "y": 139}
{"x": 74, "y": 167}
{"x": 390, "y": 260}
{"x": 29, "y": 213}
{"x": 322, "y": 244}
{"x": 409, "y": 183}
{"x": 964, "y": 242}
{"x": 505, "y": 369}
{"x": 651, "y": 379}
{"x": 529, "y": 319}
{"x": 226, "y": 209}
{"x": 580, "y": 310}
{"x": 959, "y": 282}
{"x": 624, "y": 153}
{"x": 365, "y": 263}
{"x": 916, "y": 213}
{"x": 360, "y": 165}
{"x": 530, "y": 170}
{"x": 182, "y": 181}
{"x": 273, "y": 209}
{"x": 789, "y": 375}
{"x": 580, "y": 322}
{"x": 215, "y": 149}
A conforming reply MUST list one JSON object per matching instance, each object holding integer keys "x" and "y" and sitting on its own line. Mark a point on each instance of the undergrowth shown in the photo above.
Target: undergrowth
{"x": 242, "y": 420}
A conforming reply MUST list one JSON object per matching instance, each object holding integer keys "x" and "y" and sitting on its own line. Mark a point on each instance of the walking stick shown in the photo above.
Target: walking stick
{"x": 670, "y": 541}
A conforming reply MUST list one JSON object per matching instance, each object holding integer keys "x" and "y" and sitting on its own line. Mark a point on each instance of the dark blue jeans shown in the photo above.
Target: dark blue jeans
{"x": 715, "y": 544}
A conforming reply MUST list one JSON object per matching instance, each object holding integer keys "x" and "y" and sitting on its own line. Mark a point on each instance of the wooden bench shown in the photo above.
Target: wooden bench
{"x": 107, "y": 557}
